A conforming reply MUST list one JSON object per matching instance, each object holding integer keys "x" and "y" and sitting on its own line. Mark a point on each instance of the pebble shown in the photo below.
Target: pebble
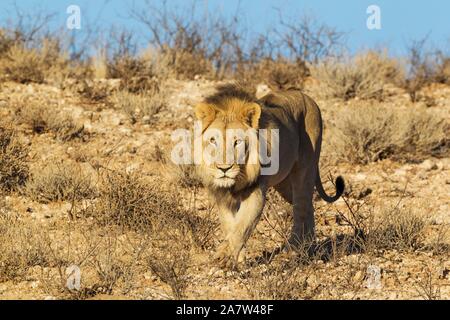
{"x": 428, "y": 165}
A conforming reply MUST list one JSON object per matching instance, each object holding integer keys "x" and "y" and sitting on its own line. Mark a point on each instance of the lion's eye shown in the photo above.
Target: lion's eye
{"x": 213, "y": 141}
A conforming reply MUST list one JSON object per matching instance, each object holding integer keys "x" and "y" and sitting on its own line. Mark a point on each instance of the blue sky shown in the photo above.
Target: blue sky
{"x": 401, "y": 20}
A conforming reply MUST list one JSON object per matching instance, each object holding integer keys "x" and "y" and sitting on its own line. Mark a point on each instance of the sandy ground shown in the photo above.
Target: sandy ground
{"x": 113, "y": 140}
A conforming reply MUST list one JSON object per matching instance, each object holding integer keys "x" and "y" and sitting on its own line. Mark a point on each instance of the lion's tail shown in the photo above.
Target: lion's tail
{"x": 340, "y": 186}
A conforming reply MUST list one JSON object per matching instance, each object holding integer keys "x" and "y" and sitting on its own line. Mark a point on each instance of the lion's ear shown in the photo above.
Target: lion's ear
{"x": 251, "y": 114}
{"x": 205, "y": 113}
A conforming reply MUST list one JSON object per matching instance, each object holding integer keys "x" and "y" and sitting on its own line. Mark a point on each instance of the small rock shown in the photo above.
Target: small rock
{"x": 146, "y": 119}
{"x": 359, "y": 276}
{"x": 428, "y": 165}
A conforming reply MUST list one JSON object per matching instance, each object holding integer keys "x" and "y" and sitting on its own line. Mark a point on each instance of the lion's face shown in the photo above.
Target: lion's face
{"x": 229, "y": 144}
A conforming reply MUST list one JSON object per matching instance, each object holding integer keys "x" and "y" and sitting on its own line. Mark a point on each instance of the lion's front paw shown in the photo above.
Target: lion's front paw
{"x": 224, "y": 257}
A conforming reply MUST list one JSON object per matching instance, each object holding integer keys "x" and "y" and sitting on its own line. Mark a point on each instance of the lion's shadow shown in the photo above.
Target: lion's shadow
{"x": 324, "y": 250}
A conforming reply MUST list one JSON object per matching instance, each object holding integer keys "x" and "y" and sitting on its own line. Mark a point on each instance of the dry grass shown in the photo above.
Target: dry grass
{"x": 399, "y": 229}
{"x": 24, "y": 65}
{"x": 130, "y": 201}
{"x": 183, "y": 174}
{"x": 22, "y": 246}
{"x": 135, "y": 203}
{"x": 142, "y": 106}
{"x": 186, "y": 65}
{"x": 423, "y": 67}
{"x": 277, "y": 74}
{"x": 443, "y": 70}
{"x": 41, "y": 119}
{"x": 147, "y": 205}
{"x": 137, "y": 74}
{"x": 108, "y": 261}
{"x": 59, "y": 181}
{"x": 170, "y": 259}
{"x": 14, "y": 167}
{"x": 278, "y": 282}
{"x": 363, "y": 76}
{"x": 91, "y": 90}
{"x": 373, "y": 228}
{"x": 367, "y": 133}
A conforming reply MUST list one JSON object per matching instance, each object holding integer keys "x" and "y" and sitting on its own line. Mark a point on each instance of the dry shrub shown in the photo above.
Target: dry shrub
{"x": 428, "y": 287}
{"x": 132, "y": 202}
{"x": 443, "y": 70}
{"x": 184, "y": 175}
{"x": 170, "y": 258}
{"x": 108, "y": 261}
{"x": 13, "y": 160}
{"x": 192, "y": 46}
{"x": 21, "y": 64}
{"x": 59, "y": 181}
{"x": 137, "y": 74}
{"x": 398, "y": 229}
{"x": 142, "y": 106}
{"x": 142, "y": 73}
{"x": 22, "y": 246}
{"x": 116, "y": 262}
{"x": 137, "y": 203}
{"x": 92, "y": 90}
{"x": 367, "y": 133}
{"x": 279, "y": 281}
{"x": 278, "y": 74}
{"x": 362, "y": 76}
{"x": 127, "y": 200}
{"x": 6, "y": 41}
{"x": 423, "y": 67}
{"x": 41, "y": 119}
{"x": 186, "y": 65}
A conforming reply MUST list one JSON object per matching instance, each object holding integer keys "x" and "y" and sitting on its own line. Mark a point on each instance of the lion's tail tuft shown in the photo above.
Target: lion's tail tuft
{"x": 340, "y": 186}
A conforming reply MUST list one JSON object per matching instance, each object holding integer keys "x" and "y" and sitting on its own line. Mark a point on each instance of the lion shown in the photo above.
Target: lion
{"x": 238, "y": 188}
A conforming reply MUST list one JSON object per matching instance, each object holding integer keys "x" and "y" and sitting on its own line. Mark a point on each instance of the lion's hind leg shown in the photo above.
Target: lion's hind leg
{"x": 284, "y": 188}
{"x": 302, "y": 180}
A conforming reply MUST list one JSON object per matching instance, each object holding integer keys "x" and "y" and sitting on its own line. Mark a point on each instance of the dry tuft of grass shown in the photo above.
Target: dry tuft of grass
{"x": 399, "y": 229}
{"x": 363, "y": 76}
{"x": 108, "y": 261}
{"x": 367, "y": 133}
{"x": 170, "y": 258}
{"x": 137, "y": 203}
{"x": 186, "y": 65}
{"x": 279, "y": 74}
{"x": 59, "y": 181}
{"x": 24, "y": 65}
{"x": 142, "y": 106}
{"x": 423, "y": 67}
{"x": 22, "y": 246}
{"x": 136, "y": 74}
{"x": 41, "y": 119}
{"x": 279, "y": 281}
{"x": 130, "y": 201}
{"x": 14, "y": 167}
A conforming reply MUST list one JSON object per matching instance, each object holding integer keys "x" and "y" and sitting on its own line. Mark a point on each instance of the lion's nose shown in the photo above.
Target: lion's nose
{"x": 224, "y": 167}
